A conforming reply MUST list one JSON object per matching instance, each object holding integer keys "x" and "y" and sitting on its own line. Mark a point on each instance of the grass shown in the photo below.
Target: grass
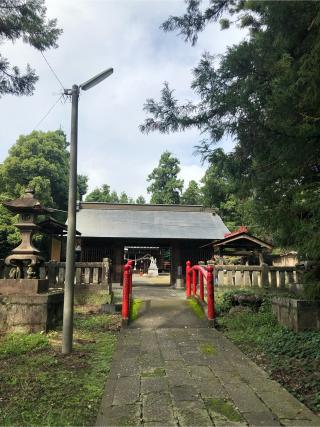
{"x": 18, "y": 344}
{"x": 135, "y": 308}
{"x": 196, "y": 307}
{"x": 293, "y": 359}
{"x": 40, "y": 386}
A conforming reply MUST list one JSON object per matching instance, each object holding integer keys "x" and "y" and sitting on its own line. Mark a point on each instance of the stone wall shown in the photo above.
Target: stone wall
{"x": 92, "y": 294}
{"x": 297, "y": 314}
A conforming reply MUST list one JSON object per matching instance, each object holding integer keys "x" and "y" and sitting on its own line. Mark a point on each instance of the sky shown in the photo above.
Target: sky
{"x": 125, "y": 35}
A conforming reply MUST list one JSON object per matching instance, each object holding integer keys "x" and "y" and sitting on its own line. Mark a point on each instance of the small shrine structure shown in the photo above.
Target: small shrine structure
{"x": 241, "y": 243}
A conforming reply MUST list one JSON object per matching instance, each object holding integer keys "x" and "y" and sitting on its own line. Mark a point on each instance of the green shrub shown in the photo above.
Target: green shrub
{"x": 292, "y": 358}
{"x": 311, "y": 281}
{"x": 312, "y": 291}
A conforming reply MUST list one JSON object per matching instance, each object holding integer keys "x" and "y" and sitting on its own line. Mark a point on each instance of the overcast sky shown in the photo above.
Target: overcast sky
{"x": 125, "y": 35}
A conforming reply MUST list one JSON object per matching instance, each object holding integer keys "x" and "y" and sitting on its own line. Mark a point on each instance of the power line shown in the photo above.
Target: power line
{"x": 52, "y": 70}
{"x": 47, "y": 113}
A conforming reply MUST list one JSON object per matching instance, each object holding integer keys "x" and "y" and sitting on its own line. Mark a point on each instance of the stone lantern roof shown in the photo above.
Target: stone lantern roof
{"x": 26, "y": 204}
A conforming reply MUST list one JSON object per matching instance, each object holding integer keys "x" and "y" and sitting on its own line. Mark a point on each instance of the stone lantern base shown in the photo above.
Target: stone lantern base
{"x": 26, "y": 305}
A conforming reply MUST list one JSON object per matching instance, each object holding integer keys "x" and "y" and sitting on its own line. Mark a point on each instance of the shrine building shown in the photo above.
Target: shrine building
{"x": 119, "y": 231}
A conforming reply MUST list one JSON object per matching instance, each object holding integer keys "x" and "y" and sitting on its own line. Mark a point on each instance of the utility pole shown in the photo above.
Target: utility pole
{"x": 71, "y": 238}
{"x": 67, "y": 332}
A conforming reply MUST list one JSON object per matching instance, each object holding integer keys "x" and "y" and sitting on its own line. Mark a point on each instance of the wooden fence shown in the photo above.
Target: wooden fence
{"x": 248, "y": 276}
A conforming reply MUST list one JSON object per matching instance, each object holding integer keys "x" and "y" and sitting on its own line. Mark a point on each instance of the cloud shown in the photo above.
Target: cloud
{"x": 123, "y": 34}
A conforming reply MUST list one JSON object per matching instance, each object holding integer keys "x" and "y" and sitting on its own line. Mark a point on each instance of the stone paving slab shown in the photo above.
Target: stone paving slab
{"x": 127, "y": 391}
{"x": 168, "y": 379}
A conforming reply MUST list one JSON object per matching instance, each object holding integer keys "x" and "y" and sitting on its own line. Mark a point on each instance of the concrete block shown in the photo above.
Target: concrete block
{"x": 30, "y": 313}
{"x": 297, "y": 314}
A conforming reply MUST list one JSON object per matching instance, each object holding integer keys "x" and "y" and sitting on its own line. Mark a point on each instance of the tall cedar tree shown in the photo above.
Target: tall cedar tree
{"x": 265, "y": 93}
{"x": 26, "y": 20}
{"x": 192, "y": 194}
{"x": 165, "y": 187}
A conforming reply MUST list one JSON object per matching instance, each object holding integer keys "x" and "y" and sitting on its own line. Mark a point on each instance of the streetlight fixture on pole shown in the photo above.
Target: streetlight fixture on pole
{"x": 67, "y": 333}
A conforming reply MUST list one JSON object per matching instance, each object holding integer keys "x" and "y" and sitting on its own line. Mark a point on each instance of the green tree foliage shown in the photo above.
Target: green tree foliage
{"x": 26, "y": 20}
{"x": 165, "y": 187}
{"x": 39, "y": 161}
{"x": 114, "y": 198}
{"x": 141, "y": 200}
{"x": 9, "y": 234}
{"x": 265, "y": 93}
{"x": 82, "y": 186}
{"x": 192, "y": 195}
{"x": 103, "y": 194}
{"x": 123, "y": 198}
{"x": 220, "y": 190}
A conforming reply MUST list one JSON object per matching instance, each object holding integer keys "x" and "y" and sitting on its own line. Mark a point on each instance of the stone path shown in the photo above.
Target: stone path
{"x": 169, "y": 369}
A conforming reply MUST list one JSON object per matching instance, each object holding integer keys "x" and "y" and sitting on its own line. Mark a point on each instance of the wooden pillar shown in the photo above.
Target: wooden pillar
{"x": 176, "y": 266}
{"x": 118, "y": 262}
{"x": 55, "y": 249}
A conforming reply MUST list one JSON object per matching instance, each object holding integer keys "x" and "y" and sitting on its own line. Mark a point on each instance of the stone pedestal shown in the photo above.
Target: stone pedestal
{"x": 26, "y": 305}
{"x": 23, "y": 286}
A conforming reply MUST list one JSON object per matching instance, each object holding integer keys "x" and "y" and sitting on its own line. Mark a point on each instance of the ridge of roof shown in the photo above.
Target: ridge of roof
{"x": 144, "y": 207}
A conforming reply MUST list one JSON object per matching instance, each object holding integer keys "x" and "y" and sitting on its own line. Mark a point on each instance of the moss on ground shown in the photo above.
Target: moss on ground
{"x": 196, "y": 307}
{"x": 134, "y": 309}
{"x": 224, "y": 408}
{"x": 40, "y": 386}
{"x": 155, "y": 373}
{"x": 208, "y": 349}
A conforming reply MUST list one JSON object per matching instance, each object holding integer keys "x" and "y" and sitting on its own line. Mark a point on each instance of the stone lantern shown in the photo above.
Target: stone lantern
{"x": 26, "y": 302}
{"x": 25, "y": 255}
